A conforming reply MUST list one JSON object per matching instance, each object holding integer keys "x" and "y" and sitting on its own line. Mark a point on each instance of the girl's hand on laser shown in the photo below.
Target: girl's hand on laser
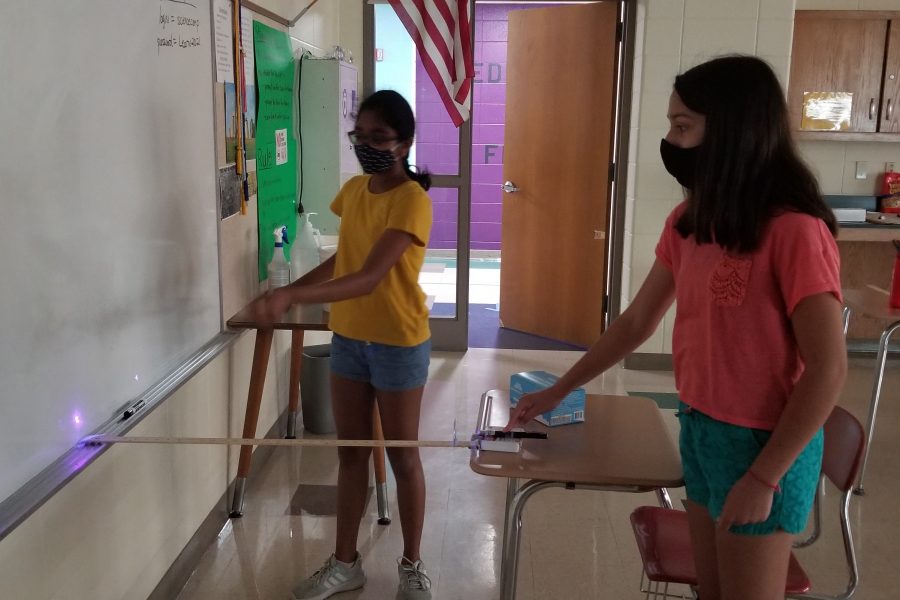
{"x": 532, "y": 405}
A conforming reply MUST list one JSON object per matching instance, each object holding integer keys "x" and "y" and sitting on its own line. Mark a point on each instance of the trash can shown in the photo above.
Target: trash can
{"x": 315, "y": 389}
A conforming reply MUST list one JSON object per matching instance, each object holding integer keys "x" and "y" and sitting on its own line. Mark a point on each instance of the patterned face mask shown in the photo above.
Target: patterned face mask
{"x": 372, "y": 160}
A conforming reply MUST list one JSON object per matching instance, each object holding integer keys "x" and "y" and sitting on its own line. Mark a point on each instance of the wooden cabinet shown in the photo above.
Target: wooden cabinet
{"x": 849, "y": 51}
{"x": 890, "y": 120}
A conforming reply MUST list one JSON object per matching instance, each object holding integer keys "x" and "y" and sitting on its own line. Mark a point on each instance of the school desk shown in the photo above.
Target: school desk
{"x": 298, "y": 319}
{"x": 873, "y": 302}
{"x": 622, "y": 446}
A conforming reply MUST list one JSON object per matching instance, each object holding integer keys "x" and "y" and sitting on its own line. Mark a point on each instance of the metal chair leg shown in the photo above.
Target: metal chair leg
{"x": 384, "y": 509}
{"x": 662, "y": 494}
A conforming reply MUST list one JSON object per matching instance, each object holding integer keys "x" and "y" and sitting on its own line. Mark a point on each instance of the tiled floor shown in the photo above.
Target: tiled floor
{"x": 439, "y": 280}
{"x": 576, "y": 545}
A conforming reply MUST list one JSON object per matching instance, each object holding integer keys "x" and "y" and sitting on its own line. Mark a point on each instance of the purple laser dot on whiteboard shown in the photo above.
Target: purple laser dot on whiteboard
{"x": 77, "y": 421}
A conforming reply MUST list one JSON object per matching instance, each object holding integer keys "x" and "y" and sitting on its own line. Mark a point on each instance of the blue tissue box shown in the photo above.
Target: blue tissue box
{"x": 570, "y": 410}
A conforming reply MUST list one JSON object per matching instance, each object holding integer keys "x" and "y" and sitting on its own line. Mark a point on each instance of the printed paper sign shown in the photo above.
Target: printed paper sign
{"x": 247, "y": 45}
{"x": 281, "y": 153}
{"x": 224, "y": 41}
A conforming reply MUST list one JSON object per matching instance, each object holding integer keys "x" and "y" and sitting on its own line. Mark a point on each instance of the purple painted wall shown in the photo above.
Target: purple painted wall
{"x": 437, "y": 149}
{"x": 437, "y": 139}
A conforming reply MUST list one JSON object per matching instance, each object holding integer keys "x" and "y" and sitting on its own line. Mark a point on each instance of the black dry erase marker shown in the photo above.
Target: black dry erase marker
{"x": 537, "y": 435}
{"x": 129, "y": 412}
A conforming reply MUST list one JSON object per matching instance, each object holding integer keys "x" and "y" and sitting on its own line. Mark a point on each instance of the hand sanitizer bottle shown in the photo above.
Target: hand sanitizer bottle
{"x": 279, "y": 269}
{"x": 305, "y": 249}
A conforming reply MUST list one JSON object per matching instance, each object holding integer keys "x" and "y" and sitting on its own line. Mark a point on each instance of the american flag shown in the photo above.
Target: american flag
{"x": 440, "y": 29}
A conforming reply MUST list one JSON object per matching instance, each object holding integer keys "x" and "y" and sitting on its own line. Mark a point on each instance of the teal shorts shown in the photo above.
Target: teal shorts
{"x": 715, "y": 455}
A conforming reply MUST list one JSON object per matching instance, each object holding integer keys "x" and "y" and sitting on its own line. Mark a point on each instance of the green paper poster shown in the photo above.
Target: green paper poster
{"x": 276, "y": 149}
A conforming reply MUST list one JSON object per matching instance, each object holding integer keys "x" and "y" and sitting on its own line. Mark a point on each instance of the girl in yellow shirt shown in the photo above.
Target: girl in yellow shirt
{"x": 381, "y": 344}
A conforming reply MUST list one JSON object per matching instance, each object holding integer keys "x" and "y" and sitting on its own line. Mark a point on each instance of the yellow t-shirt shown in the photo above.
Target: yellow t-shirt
{"x": 395, "y": 312}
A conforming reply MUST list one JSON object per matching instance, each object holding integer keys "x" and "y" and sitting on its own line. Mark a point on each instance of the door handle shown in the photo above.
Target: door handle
{"x": 890, "y": 110}
{"x": 871, "y": 109}
{"x": 509, "y": 187}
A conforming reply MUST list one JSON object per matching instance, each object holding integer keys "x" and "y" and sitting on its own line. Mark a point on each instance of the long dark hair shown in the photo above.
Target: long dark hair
{"x": 748, "y": 168}
{"x": 394, "y": 110}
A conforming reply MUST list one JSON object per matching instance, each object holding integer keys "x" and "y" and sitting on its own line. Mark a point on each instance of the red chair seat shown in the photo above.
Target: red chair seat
{"x": 664, "y": 541}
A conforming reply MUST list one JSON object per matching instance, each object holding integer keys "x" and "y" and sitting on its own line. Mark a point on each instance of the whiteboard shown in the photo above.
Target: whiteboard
{"x": 108, "y": 230}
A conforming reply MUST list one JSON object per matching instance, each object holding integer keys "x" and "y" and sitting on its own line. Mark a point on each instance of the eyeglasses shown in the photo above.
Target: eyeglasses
{"x": 375, "y": 140}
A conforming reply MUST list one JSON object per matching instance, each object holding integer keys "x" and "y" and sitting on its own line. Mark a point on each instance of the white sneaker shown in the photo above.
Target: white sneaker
{"x": 414, "y": 582}
{"x": 333, "y": 578}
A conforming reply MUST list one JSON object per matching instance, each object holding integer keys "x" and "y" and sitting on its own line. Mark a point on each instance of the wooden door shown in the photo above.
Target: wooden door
{"x": 838, "y": 51}
{"x": 560, "y": 101}
{"x": 890, "y": 111}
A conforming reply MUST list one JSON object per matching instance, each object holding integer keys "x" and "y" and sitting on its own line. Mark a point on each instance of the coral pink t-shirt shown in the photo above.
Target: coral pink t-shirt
{"x": 734, "y": 351}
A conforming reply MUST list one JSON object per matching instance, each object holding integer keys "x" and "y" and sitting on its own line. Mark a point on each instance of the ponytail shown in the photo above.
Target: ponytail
{"x": 423, "y": 178}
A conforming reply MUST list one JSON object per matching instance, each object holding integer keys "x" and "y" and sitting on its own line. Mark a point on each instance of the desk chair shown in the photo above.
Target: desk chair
{"x": 664, "y": 542}
{"x": 873, "y": 302}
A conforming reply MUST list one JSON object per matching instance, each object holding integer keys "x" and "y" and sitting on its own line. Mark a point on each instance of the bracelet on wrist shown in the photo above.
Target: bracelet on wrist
{"x": 774, "y": 487}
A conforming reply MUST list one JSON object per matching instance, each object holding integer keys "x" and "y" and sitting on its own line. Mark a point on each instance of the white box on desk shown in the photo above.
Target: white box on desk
{"x": 570, "y": 410}
{"x": 850, "y": 215}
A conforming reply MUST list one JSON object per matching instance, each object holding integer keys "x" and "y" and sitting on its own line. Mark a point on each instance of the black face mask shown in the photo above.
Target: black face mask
{"x": 373, "y": 160}
{"x": 681, "y": 163}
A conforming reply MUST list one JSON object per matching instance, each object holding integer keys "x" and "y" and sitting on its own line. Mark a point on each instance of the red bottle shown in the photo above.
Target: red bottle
{"x": 895, "y": 283}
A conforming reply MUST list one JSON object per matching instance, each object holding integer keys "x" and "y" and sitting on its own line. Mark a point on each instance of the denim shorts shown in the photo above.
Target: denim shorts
{"x": 387, "y": 368}
{"x": 715, "y": 455}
